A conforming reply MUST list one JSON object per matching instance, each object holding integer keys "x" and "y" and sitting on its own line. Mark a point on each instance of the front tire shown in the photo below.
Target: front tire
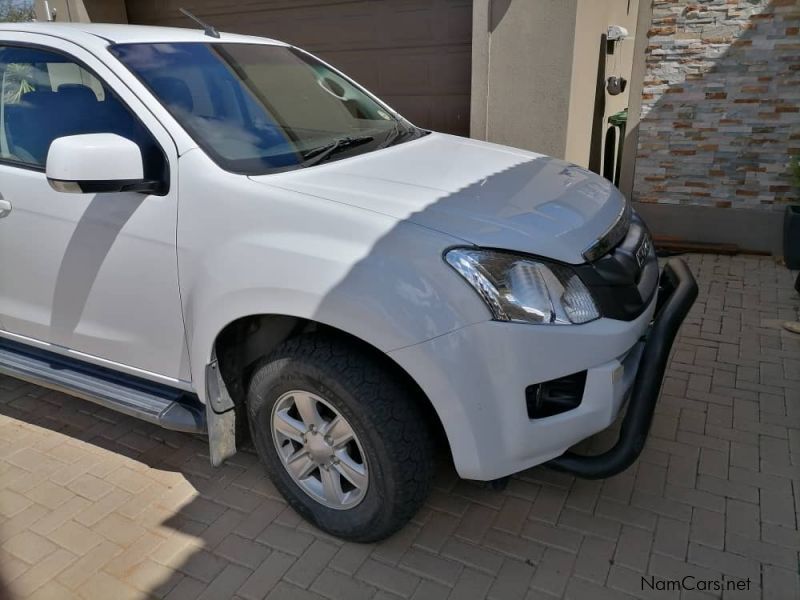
{"x": 341, "y": 437}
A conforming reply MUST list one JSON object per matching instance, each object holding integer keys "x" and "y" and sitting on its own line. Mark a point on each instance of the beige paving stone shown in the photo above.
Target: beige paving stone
{"x": 29, "y": 546}
{"x": 473, "y": 555}
{"x": 226, "y": 583}
{"x": 49, "y": 494}
{"x": 437, "y": 531}
{"x": 285, "y": 591}
{"x": 552, "y": 536}
{"x": 512, "y": 516}
{"x": 431, "y": 566}
{"x": 512, "y": 580}
{"x": 242, "y": 551}
{"x": 129, "y": 480}
{"x": 52, "y": 590}
{"x": 60, "y": 515}
{"x": 472, "y": 585}
{"x": 349, "y": 558}
{"x": 186, "y": 588}
{"x": 90, "y": 487}
{"x": 99, "y": 510}
{"x": 430, "y": 590}
{"x": 517, "y": 547}
{"x": 594, "y": 559}
{"x": 12, "y": 566}
{"x": 311, "y": 563}
{"x": 87, "y": 565}
{"x": 336, "y": 586}
{"x": 150, "y": 577}
{"x": 388, "y": 578}
{"x": 76, "y": 538}
{"x": 119, "y": 529}
{"x": 633, "y": 548}
{"x": 393, "y": 548}
{"x": 553, "y": 572}
{"x": 475, "y": 522}
{"x": 132, "y": 554}
{"x": 102, "y": 586}
{"x": 44, "y": 571}
{"x": 266, "y": 576}
{"x": 12, "y": 503}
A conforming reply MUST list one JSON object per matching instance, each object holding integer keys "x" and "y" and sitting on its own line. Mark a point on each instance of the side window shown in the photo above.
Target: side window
{"x": 45, "y": 95}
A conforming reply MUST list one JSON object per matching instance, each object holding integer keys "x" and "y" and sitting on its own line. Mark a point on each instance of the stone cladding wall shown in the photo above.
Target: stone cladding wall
{"x": 721, "y": 104}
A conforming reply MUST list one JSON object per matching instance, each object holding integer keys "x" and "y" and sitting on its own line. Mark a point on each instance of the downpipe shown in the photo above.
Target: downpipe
{"x": 676, "y": 295}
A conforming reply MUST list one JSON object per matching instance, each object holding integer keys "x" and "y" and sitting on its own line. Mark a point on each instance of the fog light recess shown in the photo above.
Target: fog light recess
{"x": 555, "y": 396}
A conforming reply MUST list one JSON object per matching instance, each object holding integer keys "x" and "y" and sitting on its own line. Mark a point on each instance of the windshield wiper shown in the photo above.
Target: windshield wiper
{"x": 320, "y": 153}
{"x": 396, "y": 133}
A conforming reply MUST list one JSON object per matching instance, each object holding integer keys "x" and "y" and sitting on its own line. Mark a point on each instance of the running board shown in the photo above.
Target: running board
{"x": 156, "y": 403}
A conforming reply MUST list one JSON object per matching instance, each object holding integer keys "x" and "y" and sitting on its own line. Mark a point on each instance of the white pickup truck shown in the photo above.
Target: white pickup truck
{"x": 214, "y": 232}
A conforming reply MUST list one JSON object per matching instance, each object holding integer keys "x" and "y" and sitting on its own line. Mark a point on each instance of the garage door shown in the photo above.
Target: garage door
{"x": 414, "y": 54}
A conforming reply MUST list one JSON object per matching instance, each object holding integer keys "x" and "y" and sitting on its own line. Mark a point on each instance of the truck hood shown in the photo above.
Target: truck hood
{"x": 481, "y": 193}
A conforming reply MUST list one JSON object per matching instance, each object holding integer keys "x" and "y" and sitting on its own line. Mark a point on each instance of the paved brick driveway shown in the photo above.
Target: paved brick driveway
{"x": 98, "y": 505}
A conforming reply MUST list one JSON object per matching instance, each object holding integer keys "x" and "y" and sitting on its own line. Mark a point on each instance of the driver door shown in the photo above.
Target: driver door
{"x": 92, "y": 274}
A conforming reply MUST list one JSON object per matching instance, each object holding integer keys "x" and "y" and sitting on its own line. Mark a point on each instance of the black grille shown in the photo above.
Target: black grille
{"x": 623, "y": 281}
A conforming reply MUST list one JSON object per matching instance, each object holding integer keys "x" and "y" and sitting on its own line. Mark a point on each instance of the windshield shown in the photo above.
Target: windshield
{"x": 258, "y": 108}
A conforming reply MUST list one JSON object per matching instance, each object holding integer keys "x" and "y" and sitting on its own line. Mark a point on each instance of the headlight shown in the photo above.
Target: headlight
{"x": 524, "y": 290}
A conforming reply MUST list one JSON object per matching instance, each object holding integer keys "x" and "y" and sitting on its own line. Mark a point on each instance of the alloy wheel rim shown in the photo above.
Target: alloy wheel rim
{"x": 319, "y": 449}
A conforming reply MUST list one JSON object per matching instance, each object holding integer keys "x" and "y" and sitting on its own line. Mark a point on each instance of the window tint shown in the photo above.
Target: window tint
{"x": 44, "y": 96}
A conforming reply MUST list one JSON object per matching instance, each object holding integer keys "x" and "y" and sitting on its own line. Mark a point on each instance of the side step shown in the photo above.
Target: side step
{"x": 156, "y": 403}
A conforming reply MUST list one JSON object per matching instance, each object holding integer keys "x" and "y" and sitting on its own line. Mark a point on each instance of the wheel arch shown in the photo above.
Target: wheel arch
{"x": 243, "y": 341}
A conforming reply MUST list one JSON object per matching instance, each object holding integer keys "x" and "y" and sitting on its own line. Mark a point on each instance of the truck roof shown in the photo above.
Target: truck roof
{"x": 129, "y": 34}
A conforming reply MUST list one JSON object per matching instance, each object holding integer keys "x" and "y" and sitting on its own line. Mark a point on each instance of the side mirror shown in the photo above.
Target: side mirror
{"x": 96, "y": 162}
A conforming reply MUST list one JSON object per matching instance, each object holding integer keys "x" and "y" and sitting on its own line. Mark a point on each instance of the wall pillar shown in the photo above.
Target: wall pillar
{"x": 539, "y": 69}
{"x": 521, "y": 72}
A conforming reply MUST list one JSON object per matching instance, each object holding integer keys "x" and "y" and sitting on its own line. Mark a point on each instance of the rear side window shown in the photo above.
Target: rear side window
{"x": 45, "y": 95}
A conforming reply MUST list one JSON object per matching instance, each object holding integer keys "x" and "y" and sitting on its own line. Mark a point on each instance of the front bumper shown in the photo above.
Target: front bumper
{"x": 677, "y": 292}
{"x": 476, "y": 376}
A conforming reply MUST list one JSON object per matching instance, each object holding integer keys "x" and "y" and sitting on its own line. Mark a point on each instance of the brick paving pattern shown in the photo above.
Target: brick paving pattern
{"x": 97, "y": 505}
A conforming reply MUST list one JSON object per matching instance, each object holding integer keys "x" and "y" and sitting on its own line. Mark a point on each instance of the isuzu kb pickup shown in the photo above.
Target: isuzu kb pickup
{"x": 218, "y": 233}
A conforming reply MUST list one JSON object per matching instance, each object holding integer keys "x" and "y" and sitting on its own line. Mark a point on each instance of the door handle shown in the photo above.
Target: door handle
{"x": 5, "y": 207}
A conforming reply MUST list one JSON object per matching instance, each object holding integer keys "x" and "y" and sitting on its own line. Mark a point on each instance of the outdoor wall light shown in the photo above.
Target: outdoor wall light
{"x": 616, "y": 33}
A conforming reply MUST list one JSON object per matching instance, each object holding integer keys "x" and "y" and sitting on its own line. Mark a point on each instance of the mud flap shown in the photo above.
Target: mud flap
{"x": 220, "y": 417}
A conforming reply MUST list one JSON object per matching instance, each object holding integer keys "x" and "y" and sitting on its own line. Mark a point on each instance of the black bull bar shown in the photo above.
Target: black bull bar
{"x": 677, "y": 292}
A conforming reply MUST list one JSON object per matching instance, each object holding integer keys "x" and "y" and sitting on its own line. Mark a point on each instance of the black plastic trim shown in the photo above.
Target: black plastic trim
{"x": 677, "y": 293}
{"x": 624, "y": 281}
{"x": 555, "y": 396}
{"x": 101, "y": 186}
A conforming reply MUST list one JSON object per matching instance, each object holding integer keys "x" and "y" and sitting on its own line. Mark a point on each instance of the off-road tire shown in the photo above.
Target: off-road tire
{"x": 381, "y": 409}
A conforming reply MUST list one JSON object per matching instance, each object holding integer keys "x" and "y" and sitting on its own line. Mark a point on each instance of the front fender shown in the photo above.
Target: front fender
{"x": 274, "y": 251}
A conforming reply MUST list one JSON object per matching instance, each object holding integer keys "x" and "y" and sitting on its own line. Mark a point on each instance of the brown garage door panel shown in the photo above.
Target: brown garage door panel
{"x": 415, "y": 54}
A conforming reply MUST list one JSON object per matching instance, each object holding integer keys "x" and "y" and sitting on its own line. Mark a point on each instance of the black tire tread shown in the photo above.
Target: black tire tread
{"x": 386, "y": 403}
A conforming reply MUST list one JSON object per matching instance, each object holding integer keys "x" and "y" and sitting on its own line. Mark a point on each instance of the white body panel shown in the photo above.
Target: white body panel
{"x": 476, "y": 378}
{"x": 103, "y": 156}
{"x": 488, "y": 195}
{"x": 356, "y": 244}
{"x": 245, "y": 249}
